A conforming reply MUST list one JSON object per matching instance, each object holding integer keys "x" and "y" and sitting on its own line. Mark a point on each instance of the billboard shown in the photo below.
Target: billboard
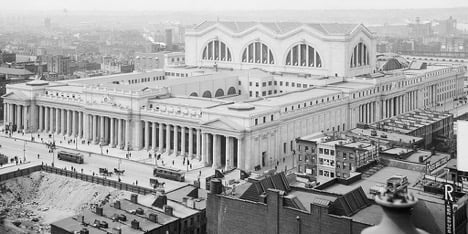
{"x": 462, "y": 146}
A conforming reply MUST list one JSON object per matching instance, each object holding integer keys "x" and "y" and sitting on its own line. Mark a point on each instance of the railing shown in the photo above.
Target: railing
{"x": 77, "y": 175}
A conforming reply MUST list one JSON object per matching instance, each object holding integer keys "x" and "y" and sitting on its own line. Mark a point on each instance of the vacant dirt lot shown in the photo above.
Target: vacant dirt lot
{"x": 29, "y": 204}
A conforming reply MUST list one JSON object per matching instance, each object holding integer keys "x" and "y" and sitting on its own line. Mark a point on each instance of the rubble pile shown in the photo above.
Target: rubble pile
{"x": 29, "y": 204}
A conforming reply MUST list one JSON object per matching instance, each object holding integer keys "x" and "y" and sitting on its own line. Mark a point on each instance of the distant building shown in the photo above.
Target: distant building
{"x": 58, "y": 64}
{"x": 150, "y": 61}
{"x": 169, "y": 39}
{"x": 6, "y": 57}
{"x": 432, "y": 126}
{"x": 420, "y": 29}
{"x": 110, "y": 65}
{"x": 11, "y": 76}
{"x": 324, "y": 157}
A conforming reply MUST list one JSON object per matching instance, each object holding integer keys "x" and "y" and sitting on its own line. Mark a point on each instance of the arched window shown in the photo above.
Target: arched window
{"x": 194, "y": 94}
{"x": 207, "y": 94}
{"x": 216, "y": 50}
{"x": 219, "y": 93}
{"x": 231, "y": 91}
{"x": 257, "y": 52}
{"x": 360, "y": 56}
{"x": 303, "y": 55}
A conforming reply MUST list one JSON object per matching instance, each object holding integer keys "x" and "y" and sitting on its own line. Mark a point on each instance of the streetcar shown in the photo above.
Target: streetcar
{"x": 168, "y": 173}
{"x": 70, "y": 157}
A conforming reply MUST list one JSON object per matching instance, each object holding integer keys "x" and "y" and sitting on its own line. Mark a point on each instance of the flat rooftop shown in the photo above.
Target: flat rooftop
{"x": 390, "y": 136}
{"x": 295, "y": 97}
{"x": 188, "y": 101}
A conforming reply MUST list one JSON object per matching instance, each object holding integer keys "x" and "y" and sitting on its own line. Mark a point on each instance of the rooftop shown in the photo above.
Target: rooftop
{"x": 281, "y": 27}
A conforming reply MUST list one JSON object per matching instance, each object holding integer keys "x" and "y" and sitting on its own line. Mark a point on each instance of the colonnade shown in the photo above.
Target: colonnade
{"x": 17, "y": 114}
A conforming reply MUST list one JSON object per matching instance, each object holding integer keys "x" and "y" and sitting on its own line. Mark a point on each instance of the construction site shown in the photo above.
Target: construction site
{"x": 30, "y": 203}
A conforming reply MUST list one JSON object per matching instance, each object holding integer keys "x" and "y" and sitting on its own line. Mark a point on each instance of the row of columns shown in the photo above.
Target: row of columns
{"x": 60, "y": 121}
{"x": 367, "y": 112}
{"x": 111, "y": 131}
{"x": 17, "y": 115}
{"x": 191, "y": 142}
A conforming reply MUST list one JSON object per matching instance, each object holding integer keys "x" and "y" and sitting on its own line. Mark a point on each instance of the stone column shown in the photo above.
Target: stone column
{"x": 41, "y": 119}
{"x": 86, "y": 127}
{"x": 46, "y": 118}
{"x": 95, "y": 132}
{"x": 199, "y": 144}
{"x": 168, "y": 139}
{"x": 74, "y": 124}
{"x": 101, "y": 135}
{"x": 153, "y": 137}
{"x": 69, "y": 123}
{"x": 176, "y": 139}
{"x": 147, "y": 144}
{"x": 18, "y": 117}
{"x": 5, "y": 119}
{"x": 182, "y": 141}
{"x": 80, "y": 124}
{"x": 161, "y": 141}
{"x": 62, "y": 121}
{"x": 51, "y": 116}
{"x": 240, "y": 154}
{"x": 25, "y": 118}
{"x": 112, "y": 134}
{"x": 127, "y": 133}
{"x": 229, "y": 159}
{"x": 119, "y": 133}
{"x": 216, "y": 152}
{"x": 190, "y": 143}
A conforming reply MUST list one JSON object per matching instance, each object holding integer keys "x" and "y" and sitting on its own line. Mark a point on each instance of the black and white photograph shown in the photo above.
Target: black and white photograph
{"x": 233, "y": 117}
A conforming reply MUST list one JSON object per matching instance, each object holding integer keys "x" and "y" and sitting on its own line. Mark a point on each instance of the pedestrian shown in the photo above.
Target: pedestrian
{"x": 93, "y": 173}
{"x": 149, "y": 155}
{"x": 190, "y": 166}
{"x": 37, "y": 156}
{"x": 81, "y": 170}
{"x": 107, "y": 151}
{"x": 136, "y": 182}
{"x": 120, "y": 179}
{"x": 172, "y": 162}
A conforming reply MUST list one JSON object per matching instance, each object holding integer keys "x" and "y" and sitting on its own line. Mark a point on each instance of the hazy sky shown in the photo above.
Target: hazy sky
{"x": 152, "y": 5}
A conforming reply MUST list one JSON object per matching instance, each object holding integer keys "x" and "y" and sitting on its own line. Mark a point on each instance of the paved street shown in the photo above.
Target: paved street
{"x": 134, "y": 170}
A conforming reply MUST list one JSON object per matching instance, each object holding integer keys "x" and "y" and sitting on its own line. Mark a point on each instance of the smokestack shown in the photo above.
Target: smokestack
{"x": 135, "y": 224}
{"x": 134, "y": 198}
{"x": 99, "y": 211}
{"x": 168, "y": 210}
{"x": 117, "y": 205}
{"x": 153, "y": 218}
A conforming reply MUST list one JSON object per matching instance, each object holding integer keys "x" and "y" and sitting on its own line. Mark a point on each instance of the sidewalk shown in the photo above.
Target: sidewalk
{"x": 140, "y": 156}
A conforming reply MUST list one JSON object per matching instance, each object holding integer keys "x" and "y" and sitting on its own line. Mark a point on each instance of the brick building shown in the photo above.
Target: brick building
{"x": 277, "y": 207}
{"x": 325, "y": 157}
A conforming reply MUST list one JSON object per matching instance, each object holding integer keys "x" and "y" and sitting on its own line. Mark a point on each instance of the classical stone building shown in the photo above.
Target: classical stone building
{"x": 246, "y": 92}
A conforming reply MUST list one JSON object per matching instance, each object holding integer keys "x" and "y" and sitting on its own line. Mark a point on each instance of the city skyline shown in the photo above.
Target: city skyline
{"x": 213, "y": 5}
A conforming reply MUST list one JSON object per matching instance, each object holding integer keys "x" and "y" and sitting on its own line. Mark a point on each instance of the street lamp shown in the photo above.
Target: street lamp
{"x": 100, "y": 145}
{"x": 24, "y": 152}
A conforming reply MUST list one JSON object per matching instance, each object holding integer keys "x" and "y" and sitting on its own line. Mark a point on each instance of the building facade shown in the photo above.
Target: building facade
{"x": 258, "y": 86}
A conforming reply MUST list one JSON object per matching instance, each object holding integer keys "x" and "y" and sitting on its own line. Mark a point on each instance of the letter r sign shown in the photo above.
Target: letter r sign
{"x": 448, "y": 192}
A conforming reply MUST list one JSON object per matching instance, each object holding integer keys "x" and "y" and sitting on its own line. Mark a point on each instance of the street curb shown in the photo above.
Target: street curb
{"x": 90, "y": 152}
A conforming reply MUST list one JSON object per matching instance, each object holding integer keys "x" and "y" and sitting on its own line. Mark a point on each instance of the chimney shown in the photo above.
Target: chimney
{"x": 216, "y": 187}
{"x": 168, "y": 210}
{"x": 140, "y": 211}
{"x": 135, "y": 224}
{"x": 116, "y": 230}
{"x": 99, "y": 211}
{"x": 184, "y": 200}
{"x": 153, "y": 217}
{"x": 84, "y": 231}
{"x": 117, "y": 205}
{"x": 134, "y": 198}
{"x": 161, "y": 201}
